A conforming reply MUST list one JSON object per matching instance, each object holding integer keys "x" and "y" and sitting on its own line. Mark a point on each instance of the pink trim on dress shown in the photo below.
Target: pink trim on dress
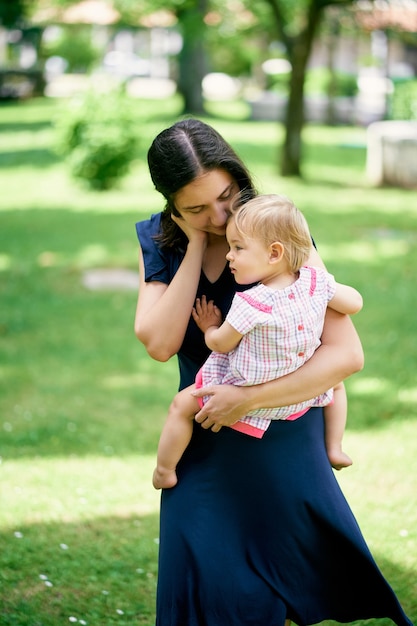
{"x": 260, "y": 306}
{"x": 243, "y": 427}
{"x": 247, "y": 429}
{"x": 313, "y": 283}
{"x": 198, "y": 385}
{"x": 295, "y": 416}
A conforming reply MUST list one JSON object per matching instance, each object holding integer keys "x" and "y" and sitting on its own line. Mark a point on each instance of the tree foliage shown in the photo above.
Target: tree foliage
{"x": 232, "y": 36}
{"x": 297, "y": 24}
{"x": 11, "y": 12}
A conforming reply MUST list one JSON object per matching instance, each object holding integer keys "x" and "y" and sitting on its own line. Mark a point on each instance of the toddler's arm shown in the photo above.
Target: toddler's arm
{"x": 346, "y": 300}
{"x": 218, "y": 337}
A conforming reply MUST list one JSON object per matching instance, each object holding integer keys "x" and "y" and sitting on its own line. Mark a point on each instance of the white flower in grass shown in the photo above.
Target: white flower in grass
{"x": 120, "y": 612}
{"x": 63, "y": 546}
{"x": 73, "y": 619}
{"x": 105, "y": 593}
{"x": 43, "y": 576}
{"x": 83, "y": 622}
{"x": 18, "y": 534}
{"x": 48, "y": 583}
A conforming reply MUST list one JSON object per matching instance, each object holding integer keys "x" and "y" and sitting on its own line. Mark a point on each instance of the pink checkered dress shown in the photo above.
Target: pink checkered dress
{"x": 281, "y": 330}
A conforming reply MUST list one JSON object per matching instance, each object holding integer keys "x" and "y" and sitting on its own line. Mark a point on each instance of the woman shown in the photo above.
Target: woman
{"x": 257, "y": 531}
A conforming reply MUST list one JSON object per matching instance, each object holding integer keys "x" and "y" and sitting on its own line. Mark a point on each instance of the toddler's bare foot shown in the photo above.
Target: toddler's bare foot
{"x": 164, "y": 478}
{"x": 339, "y": 459}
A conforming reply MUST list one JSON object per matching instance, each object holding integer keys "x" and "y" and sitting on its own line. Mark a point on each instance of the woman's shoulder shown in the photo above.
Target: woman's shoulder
{"x": 149, "y": 228}
{"x": 160, "y": 262}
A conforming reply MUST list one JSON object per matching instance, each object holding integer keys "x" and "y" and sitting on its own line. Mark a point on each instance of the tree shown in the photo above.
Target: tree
{"x": 11, "y": 11}
{"x": 192, "y": 58}
{"x": 297, "y": 24}
{"x": 203, "y": 24}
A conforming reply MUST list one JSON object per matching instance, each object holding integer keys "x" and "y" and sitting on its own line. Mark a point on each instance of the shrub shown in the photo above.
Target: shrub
{"x": 403, "y": 101}
{"x": 76, "y": 46}
{"x": 97, "y": 136}
{"x": 318, "y": 82}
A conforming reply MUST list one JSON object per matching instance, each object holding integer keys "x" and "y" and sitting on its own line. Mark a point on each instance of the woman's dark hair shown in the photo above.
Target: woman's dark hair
{"x": 181, "y": 153}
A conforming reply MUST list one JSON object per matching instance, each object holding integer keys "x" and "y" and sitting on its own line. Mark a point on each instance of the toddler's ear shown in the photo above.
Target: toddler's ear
{"x": 276, "y": 252}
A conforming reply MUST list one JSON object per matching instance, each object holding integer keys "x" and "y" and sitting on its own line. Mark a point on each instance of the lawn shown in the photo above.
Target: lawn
{"x": 81, "y": 404}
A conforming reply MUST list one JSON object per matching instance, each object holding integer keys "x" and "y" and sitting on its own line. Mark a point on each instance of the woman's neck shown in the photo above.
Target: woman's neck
{"x": 214, "y": 260}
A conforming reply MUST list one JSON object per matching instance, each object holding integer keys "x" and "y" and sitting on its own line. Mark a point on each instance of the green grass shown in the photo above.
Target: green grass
{"x": 81, "y": 404}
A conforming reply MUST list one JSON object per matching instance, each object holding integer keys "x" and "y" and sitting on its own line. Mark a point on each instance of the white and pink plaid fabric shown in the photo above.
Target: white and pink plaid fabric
{"x": 281, "y": 330}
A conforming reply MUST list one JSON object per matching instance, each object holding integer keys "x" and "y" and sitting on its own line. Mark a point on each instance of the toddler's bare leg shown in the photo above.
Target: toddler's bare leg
{"x": 175, "y": 437}
{"x": 335, "y": 422}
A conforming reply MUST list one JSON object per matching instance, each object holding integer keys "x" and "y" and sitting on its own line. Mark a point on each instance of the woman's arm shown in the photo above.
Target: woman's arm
{"x": 163, "y": 311}
{"x": 339, "y": 356}
{"x": 346, "y": 300}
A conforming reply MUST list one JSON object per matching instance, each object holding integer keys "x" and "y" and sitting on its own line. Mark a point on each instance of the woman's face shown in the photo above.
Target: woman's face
{"x": 205, "y": 202}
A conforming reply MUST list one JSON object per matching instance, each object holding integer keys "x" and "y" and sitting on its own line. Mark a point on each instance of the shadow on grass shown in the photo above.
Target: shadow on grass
{"x": 104, "y": 571}
{"x": 77, "y": 381}
{"x": 23, "y": 126}
{"x": 35, "y": 158}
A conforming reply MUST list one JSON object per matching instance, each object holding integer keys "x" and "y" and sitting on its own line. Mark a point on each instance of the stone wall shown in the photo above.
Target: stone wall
{"x": 392, "y": 153}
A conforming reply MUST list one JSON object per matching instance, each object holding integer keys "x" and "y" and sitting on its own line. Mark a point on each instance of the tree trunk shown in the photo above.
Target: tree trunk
{"x": 332, "y": 39}
{"x": 299, "y": 54}
{"x": 294, "y": 118}
{"x": 192, "y": 58}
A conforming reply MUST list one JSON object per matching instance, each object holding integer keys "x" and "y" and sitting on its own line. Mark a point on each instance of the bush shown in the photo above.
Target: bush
{"x": 76, "y": 46}
{"x": 278, "y": 82}
{"x": 403, "y": 101}
{"x": 97, "y": 136}
{"x": 318, "y": 82}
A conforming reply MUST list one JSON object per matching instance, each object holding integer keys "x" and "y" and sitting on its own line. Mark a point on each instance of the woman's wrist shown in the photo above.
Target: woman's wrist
{"x": 250, "y": 399}
{"x": 197, "y": 242}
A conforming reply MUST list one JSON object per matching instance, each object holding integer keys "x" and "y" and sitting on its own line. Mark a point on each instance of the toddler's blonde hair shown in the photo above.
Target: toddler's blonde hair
{"x": 271, "y": 218}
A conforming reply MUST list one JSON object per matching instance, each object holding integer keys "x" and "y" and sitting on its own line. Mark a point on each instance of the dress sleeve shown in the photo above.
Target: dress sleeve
{"x": 331, "y": 286}
{"x": 246, "y": 312}
{"x": 328, "y": 283}
{"x": 156, "y": 262}
{"x": 319, "y": 281}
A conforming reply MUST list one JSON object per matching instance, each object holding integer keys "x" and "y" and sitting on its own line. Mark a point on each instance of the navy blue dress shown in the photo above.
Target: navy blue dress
{"x": 257, "y": 530}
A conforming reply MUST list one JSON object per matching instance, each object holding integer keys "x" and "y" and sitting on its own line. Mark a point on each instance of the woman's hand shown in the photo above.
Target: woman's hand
{"x": 227, "y": 404}
{"x": 193, "y": 235}
{"x": 339, "y": 356}
{"x": 161, "y": 332}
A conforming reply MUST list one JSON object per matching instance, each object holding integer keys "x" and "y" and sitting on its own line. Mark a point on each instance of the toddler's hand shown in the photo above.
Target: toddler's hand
{"x": 206, "y": 314}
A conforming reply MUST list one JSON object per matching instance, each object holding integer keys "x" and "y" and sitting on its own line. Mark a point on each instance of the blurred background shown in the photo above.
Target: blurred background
{"x": 349, "y": 62}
